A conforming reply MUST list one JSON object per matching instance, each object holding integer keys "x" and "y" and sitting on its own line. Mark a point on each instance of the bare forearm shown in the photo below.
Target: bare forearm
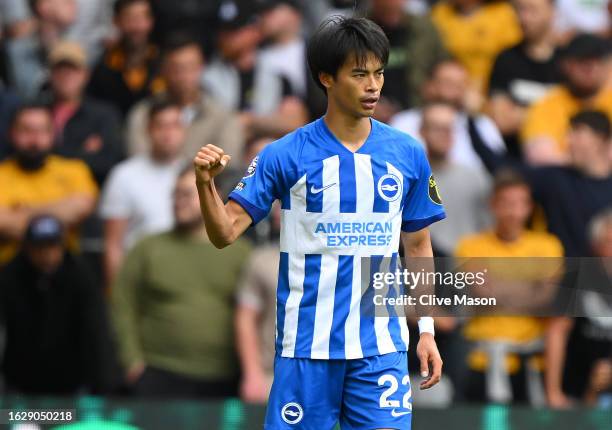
{"x": 218, "y": 220}
{"x": 556, "y": 341}
{"x": 13, "y": 223}
{"x": 247, "y": 341}
{"x": 70, "y": 210}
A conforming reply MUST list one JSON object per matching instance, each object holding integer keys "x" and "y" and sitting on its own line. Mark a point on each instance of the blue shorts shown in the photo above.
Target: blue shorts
{"x": 362, "y": 394}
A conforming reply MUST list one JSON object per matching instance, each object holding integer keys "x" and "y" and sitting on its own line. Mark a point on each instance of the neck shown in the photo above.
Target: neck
{"x": 68, "y": 102}
{"x": 437, "y": 161}
{"x": 351, "y": 131}
{"x": 187, "y": 98}
{"x": 467, "y": 7}
{"x": 162, "y": 158}
{"x": 541, "y": 48}
{"x": 286, "y": 37}
{"x": 599, "y": 168}
{"x": 195, "y": 231}
{"x": 507, "y": 234}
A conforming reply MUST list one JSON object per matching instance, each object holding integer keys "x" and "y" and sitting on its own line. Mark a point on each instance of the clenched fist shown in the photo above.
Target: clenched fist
{"x": 209, "y": 162}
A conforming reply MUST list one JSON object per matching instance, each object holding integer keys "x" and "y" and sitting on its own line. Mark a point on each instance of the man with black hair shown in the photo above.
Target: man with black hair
{"x": 569, "y": 195}
{"x": 349, "y": 187}
{"x": 127, "y": 72}
{"x": 526, "y": 71}
{"x": 205, "y": 120}
{"x": 40, "y": 182}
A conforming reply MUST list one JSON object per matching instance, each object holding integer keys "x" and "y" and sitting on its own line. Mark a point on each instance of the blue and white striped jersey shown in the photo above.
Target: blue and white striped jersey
{"x": 338, "y": 206}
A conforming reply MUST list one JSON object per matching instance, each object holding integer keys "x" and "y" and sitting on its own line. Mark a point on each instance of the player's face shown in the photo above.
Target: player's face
{"x": 356, "y": 87}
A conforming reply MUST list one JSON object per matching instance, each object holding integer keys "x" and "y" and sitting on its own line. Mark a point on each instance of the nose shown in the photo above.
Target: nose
{"x": 372, "y": 84}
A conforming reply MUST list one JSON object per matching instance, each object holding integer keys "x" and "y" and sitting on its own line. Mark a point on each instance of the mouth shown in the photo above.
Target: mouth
{"x": 369, "y": 103}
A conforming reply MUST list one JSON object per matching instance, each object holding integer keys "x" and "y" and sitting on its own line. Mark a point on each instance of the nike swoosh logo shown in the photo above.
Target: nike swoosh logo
{"x": 314, "y": 190}
{"x": 396, "y": 414}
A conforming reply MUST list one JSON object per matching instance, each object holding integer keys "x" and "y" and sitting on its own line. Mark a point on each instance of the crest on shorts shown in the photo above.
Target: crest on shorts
{"x": 292, "y": 413}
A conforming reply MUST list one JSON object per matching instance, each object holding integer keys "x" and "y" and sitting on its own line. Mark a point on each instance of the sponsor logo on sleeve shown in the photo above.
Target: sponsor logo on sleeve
{"x": 434, "y": 193}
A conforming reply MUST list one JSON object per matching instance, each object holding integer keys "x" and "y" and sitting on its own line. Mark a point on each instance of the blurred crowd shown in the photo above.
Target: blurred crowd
{"x": 107, "y": 281}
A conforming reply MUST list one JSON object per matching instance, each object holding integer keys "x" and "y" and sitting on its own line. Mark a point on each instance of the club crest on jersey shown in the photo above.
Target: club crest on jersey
{"x": 434, "y": 193}
{"x": 251, "y": 169}
{"x": 389, "y": 187}
{"x": 292, "y": 413}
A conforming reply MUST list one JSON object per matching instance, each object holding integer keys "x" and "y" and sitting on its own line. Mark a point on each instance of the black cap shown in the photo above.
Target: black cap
{"x": 235, "y": 14}
{"x": 44, "y": 229}
{"x": 586, "y": 46}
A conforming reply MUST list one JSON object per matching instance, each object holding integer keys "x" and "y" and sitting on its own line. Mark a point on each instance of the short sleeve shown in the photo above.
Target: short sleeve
{"x": 115, "y": 201}
{"x": 423, "y": 204}
{"x": 83, "y": 180}
{"x": 259, "y": 187}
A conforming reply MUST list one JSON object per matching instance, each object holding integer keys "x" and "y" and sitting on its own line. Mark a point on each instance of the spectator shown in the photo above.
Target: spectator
{"x": 578, "y": 349}
{"x": 474, "y": 32}
{"x": 137, "y": 199}
{"x": 514, "y": 337}
{"x": 240, "y": 82}
{"x": 573, "y": 16}
{"x": 196, "y": 17}
{"x": 281, "y": 64}
{"x": 205, "y": 120}
{"x": 585, "y": 70}
{"x": 27, "y": 55}
{"x": 127, "y": 71}
{"x": 84, "y": 128}
{"x": 464, "y": 190}
{"x": 416, "y": 48}
{"x": 15, "y": 20}
{"x": 569, "y": 195}
{"x": 57, "y": 331}
{"x": 256, "y": 317}
{"x": 525, "y": 72}
{"x": 8, "y": 103}
{"x": 173, "y": 308}
{"x": 40, "y": 182}
{"x": 449, "y": 84}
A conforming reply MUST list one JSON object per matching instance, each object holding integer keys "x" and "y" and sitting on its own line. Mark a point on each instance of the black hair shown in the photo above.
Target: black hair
{"x": 339, "y": 37}
{"x": 24, "y": 107}
{"x": 159, "y": 105}
{"x": 180, "y": 40}
{"x": 120, "y": 5}
{"x": 595, "y": 120}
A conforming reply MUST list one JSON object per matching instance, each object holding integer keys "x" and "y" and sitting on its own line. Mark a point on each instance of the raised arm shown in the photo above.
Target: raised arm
{"x": 224, "y": 222}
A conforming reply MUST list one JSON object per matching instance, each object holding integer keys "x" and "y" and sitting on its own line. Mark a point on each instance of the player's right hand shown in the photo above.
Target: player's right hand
{"x": 209, "y": 162}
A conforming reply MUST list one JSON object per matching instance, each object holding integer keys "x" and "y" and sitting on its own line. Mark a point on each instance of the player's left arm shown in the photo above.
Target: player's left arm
{"x": 418, "y": 244}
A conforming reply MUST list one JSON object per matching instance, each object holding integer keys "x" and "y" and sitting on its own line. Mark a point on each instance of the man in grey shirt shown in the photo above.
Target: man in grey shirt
{"x": 464, "y": 189}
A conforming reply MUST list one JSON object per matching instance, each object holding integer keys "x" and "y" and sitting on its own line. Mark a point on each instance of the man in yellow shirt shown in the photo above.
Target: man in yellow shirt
{"x": 34, "y": 182}
{"x": 511, "y": 206}
{"x": 585, "y": 71}
{"x": 475, "y": 32}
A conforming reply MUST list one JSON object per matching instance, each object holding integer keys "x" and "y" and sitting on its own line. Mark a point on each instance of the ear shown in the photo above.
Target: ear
{"x": 326, "y": 80}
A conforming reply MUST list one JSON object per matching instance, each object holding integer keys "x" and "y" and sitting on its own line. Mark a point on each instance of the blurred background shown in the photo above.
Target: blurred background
{"x": 113, "y": 302}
